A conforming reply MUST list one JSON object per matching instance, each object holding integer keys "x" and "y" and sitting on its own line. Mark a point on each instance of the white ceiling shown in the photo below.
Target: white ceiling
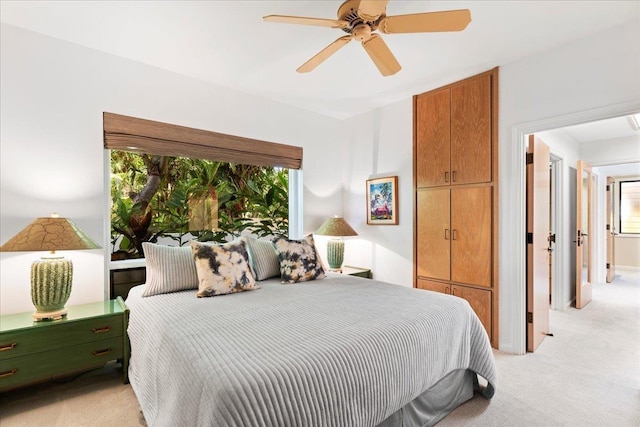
{"x": 617, "y": 128}
{"x": 228, "y": 44}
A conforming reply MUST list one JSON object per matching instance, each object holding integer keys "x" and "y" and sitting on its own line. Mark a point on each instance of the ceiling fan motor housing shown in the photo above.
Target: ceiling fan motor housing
{"x": 348, "y": 11}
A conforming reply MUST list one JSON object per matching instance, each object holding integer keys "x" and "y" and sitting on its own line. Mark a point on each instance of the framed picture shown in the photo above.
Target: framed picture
{"x": 382, "y": 201}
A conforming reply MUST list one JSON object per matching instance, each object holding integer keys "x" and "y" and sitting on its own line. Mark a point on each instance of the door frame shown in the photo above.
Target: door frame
{"x": 513, "y": 225}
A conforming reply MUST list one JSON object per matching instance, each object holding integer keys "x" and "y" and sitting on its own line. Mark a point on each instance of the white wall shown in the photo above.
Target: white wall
{"x": 381, "y": 145}
{"x": 627, "y": 252}
{"x": 52, "y": 95}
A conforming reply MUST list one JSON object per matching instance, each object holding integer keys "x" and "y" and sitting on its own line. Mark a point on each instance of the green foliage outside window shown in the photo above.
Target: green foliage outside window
{"x": 157, "y": 197}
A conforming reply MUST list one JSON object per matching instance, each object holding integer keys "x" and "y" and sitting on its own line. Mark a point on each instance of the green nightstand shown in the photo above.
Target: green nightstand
{"x": 90, "y": 335}
{"x": 356, "y": 271}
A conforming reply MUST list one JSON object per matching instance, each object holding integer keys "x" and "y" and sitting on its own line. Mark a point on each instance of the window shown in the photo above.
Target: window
{"x": 278, "y": 181}
{"x": 630, "y": 207}
{"x": 180, "y": 198}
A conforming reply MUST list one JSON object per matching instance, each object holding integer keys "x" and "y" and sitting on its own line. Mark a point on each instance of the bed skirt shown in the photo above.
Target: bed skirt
{"x": 435, "y": 403}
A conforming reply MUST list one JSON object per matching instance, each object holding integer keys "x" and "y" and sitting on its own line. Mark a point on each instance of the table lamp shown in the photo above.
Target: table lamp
{"x": 336, "y": 227}
{"x": 51, "y": 276}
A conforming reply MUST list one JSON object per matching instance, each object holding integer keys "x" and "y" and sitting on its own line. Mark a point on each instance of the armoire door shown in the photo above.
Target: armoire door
{"x": 433, "y": 139}
{"x": 433, "y": 233}
{"x": 480, "y": 302}
{"x": 471, "y": 131}
{"x": 471, "y": 235}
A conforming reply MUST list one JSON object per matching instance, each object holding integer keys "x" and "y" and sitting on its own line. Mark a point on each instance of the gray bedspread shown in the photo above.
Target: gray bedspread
{"x": 343, "y": 351}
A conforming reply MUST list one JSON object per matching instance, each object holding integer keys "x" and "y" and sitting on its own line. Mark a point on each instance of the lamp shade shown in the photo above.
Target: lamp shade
{"x": 52, "y": 276}
{"x": 336, "y": 226}
{"x": 49, "y": 234}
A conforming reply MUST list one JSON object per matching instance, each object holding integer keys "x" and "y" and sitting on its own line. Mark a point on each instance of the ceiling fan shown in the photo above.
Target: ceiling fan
{"x": 360, "y": 18}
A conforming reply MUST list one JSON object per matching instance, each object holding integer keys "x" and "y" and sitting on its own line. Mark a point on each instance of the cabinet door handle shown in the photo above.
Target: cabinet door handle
{"x": 8, "y": 347}
{"x": 454, "y": 293}
{"x": 446, "y": 177}
{"x": 446, "y": 234}
{"x": 101, "y": 330}
{"x": 101, "y": 352}
{"x": 447, "y": 290}
{"x": 453, "y": 234}
{"x": 8, "y": 373}
{"x": 453, "y": 176}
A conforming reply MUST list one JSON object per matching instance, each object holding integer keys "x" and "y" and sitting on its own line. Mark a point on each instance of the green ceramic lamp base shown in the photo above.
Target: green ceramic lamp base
{"x": 335, "y": 253}
{"x": 51, "y": 287}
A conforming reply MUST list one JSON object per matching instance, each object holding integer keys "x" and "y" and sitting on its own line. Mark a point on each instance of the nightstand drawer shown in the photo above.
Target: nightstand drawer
{"x": 53, "y": 336}
{"x": 44, "y": 365}
{"x": 356, "y": 271}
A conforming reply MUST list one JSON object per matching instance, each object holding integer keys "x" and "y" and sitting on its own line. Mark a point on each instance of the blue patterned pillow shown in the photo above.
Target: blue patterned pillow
{"x": 299, "y": 260}
{"x": 222, "y": 269}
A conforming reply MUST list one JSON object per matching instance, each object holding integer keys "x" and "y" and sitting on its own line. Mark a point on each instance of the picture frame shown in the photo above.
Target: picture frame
{"x": 382, "y": 201}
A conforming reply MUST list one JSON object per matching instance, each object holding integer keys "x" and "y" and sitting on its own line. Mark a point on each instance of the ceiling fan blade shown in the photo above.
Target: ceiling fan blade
{"x": 450, "y": 20}
{"x": 331, "y": 23}
{"x": 370, "y": 10}
{"x": 381, "y": 55}
{"x": 325, "y": 53}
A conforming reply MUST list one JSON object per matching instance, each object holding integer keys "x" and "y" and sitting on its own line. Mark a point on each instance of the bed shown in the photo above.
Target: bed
{"x": 341, "y": 351}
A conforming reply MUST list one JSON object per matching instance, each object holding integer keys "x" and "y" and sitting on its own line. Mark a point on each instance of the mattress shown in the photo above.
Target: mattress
{"x": 342, "y": 351}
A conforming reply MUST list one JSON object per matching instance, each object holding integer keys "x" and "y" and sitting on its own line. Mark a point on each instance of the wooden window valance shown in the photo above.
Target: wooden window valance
{"x": 134, "y": 134}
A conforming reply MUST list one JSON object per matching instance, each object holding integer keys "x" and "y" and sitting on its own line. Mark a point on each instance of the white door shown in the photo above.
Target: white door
{"x": 584, "y": 221}
{"x": 538, "y": 233}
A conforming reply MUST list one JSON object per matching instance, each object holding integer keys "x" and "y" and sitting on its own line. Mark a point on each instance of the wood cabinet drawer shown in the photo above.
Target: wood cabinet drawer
{"x": 430, "y": 285}
{"x": 50, "y": 337}
{"x": 44, "y": 365}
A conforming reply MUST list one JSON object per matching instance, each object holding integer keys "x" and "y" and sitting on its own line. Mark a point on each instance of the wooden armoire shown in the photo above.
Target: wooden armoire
{"x": 456, "y": 193}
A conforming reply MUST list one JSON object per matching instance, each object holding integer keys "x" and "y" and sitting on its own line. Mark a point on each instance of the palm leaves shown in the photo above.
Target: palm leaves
{"x": 153, "y": 197}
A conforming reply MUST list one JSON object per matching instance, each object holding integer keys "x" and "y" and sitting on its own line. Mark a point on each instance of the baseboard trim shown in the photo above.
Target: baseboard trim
{"x": 627, "y": 268}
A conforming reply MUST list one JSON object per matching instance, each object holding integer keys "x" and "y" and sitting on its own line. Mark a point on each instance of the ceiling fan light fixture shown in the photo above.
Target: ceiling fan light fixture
{"x": 362, "y": 33}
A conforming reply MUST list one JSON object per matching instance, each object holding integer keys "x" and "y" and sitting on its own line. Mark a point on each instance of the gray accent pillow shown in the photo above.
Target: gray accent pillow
{"x": 299, "y": 260}
{"x": 169, "y": 269}
{"x": 222, "y": 269}
{"x": 263, "y": 257}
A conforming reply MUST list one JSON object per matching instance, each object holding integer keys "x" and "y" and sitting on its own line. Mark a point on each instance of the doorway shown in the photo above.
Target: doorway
{"x": 562, "y": 280}
{"x": 513, "y": 205}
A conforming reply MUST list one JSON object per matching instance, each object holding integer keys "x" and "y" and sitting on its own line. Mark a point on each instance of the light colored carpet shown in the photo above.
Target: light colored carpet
{"x": 587, "y": 374}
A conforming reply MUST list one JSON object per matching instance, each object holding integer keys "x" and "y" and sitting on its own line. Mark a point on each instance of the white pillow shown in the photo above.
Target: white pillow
{"x": 263, "y": 257}
{"x": 169, "y": 269}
